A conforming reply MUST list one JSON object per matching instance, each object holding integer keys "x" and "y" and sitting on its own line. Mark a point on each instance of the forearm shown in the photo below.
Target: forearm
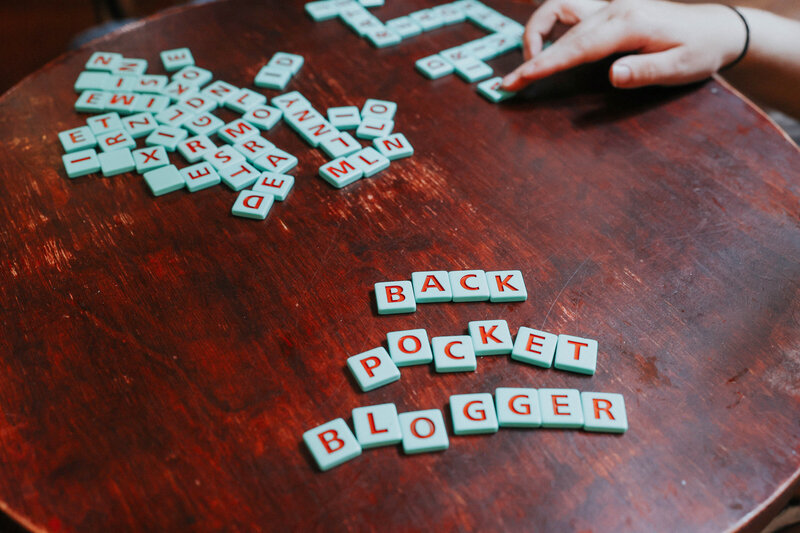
{"x": 770, "y": 72}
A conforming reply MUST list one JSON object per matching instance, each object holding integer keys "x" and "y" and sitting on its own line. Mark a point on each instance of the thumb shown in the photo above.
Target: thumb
{"x": 669, "y": 67}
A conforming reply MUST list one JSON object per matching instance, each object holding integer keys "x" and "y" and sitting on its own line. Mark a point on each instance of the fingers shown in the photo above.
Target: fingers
{"x": 591, "y": 40}
{"x": 670, "y": 67}
{"x": 543, "y": 20}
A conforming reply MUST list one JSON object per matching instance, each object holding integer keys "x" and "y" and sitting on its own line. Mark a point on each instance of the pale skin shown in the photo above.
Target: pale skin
{"x": 666, "y": 43}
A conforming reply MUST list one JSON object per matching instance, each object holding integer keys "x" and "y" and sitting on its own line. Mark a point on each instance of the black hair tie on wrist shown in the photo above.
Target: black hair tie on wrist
{"x": 746, "y": 40}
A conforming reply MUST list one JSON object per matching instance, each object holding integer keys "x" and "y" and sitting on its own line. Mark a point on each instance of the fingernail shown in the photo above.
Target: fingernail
{"x": 621, "y": 74}
{"x": 509, "y": 79}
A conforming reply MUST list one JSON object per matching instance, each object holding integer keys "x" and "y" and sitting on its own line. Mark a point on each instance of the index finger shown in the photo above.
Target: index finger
{"x": 589, "y": 41}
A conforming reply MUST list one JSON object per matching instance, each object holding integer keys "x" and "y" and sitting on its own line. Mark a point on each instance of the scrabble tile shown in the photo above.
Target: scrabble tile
{"x": 473, "y": 414}
{"x": 194, "y": 148}
{"x": 560, "y": 408}
{"x": 372, "y": 128}
{"x": 377, "y": 425}
{"x": 469, "y": 286}
{"x": 263, "y": 117}
{"x": 275, "y": 160}
{"x": 321, "y": 10}
{"x": 431, "y": 286}
{"x": 91, "y": 80}
{"x": 371, "y": 3}
{"x": 382, "y": 109}
{"x": 492, "y": 46}
{"x": 353, "y": 12}
{"x": 300, "y": 116}
{"x": 395, "y": 297}
{"x": 423, "y": 431}
{"x": 291, "y": 61}
{"x": 344, "y": 118}
{"x": 163, "y": 180}
{"x": 576, "y": 354}
{"x": 394, "y": 146}
{"x": 427, "y": 19}
{"x": 490, "y": 337}
{"x": 176, "y": 90}
{"x": 124, "y": 83}
{"x": 490, "y": 89}
{"x": 220, "y": 91}
{"x": 453, "y": 354}
{"x": 405, "y": 27}
{"x": 409, "y": 347}
{"x": 200, "y": 176}
{"x": 237, "y": 130}
{"x": 331, "y": 444}
{"x": 434, "y": 67}
{"x": 175, "y": 115}
{"x": 176, "y": 59}
{"x": 223, "y": 156}
{"x": 340, "y": 172}
{"x": 150, "y": 103}
{"x": 139, "y": 125}
{"x": 382, "y": 37}
{"x": 103, "y": 61}
{"x": 472, "y": 69}
{"x": 81, "y": 163}
{"x": 253, "y": 147}
{"x": 203, "y": 124}
{"x": 273, "y": 77}
{"x": 369, "y": 160}
{"x": 193, "y": 76}
{"x": 198, "y": 103}
{"x": 77, "y": 139}
{"x": 129, "y": 65}
{"x": 449, "y": 14}
{"x": 534, "y": 347}
{"x": 364, "y": 25}
{"x": 149, "y": 158}
{"x": 290, "y": 101}
{"x": 151, "y": 83}
{"x": 238, "y": 175}
{"x": 604, "y": 412}
{"x": 115, "y": 140}
{"x": 244, "y": 100}
{"x": 278, "y": 185}
{"x": 251, "y": 204}
{"x": 91, "y": 101}
{"x": 506, "y": 286}
{"x": 116, "y": 162}
{"x": 518, "y": 407}
{"x": 373, "y": 369}
{"x": 122, "y": 103}
{"x": 316, "y": 131}
{"x": 455, "y": 54}
{"x": 104, "y": 123}
{"x": 166, "y": 136}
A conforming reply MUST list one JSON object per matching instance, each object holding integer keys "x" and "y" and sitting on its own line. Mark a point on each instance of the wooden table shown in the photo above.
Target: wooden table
{"x": 160, "y": 359}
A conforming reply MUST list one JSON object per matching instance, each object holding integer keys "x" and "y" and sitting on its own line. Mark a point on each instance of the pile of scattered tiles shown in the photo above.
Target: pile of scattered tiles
{"x": 177, "y": 114}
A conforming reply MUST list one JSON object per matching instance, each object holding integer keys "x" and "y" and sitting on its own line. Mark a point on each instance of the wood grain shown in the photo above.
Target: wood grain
{"x": 161, "y": 359}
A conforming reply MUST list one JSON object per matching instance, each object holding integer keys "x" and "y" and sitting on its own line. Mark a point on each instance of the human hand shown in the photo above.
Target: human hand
{"x": 672, "y": 43}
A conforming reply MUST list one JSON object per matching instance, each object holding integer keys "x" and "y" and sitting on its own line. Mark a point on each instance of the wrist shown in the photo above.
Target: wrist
{"x": 734, "y": 55}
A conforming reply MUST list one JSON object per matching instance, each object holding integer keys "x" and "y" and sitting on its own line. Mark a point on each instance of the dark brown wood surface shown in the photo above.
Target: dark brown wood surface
{"x": 160, "y": 359}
